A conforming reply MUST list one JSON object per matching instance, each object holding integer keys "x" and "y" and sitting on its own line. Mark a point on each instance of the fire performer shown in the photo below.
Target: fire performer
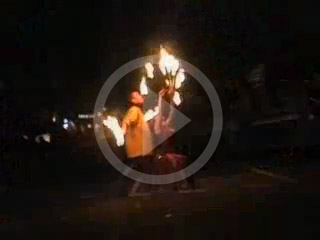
{"x": 138, "y": 137}
{"x": 168, "y": 161}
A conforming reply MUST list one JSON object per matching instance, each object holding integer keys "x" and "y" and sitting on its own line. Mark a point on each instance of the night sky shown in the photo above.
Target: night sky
{"x": 59, "y": 53}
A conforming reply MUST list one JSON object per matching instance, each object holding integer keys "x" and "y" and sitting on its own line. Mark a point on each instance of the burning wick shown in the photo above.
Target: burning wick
{"x": 113, "y": 124}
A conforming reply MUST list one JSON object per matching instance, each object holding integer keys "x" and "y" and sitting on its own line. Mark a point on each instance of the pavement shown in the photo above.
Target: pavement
{"x": 239, "y": 205}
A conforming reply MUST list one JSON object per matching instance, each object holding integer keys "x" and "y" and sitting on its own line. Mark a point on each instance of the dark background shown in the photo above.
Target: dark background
{"x": 57, "y": 54}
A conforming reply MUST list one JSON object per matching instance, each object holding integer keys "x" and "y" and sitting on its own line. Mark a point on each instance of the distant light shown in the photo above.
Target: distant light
{"x": 47, "y": 137}
{"x": 25, "y": 137}
{"x": 311, "y": 117}
{"x": 54, "y": 119}
{"x": 65, "y": 126}
{"x": 65, "y": 120}
{"x": 89, "y": 125}
{"x": 85, "y": 116}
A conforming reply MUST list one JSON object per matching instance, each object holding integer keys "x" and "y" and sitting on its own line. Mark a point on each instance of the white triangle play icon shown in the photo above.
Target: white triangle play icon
{"x": 173, "y": 120}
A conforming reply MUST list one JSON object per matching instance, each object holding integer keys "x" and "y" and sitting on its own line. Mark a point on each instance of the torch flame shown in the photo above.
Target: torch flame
{"x": 180, "y": 78}
{"x": 168, "y": 63}
{"x": 143, "y": 87}
{"x": 150, "y": 114}
{"x": 176, "y": 98}
{"x": 175, "y": 66}
{"x": 113, "y": 124}
{"x": 149, "y": 69}
{"x": 163, "y": 55}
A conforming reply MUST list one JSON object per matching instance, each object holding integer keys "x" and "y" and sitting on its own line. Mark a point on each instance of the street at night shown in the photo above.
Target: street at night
{"x": 168, "y": 119}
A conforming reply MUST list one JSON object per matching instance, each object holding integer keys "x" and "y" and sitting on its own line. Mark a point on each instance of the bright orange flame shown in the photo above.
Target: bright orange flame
{"x": 143, "y": 87}
{"x": 113, "y": 124}
{"x": 180, "y": 78}
{"x": 176, "y": 98}
{"x": 168, "y": 63}
{"x": 175, "y": 66}
{"x": 163, "y": 55}
{"x": 149, "y": 67}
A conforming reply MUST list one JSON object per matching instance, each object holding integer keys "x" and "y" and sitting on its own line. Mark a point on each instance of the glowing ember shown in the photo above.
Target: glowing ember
{"x": 113, "y": 124}
{"x": 149, "y": 69}
{"x": 176, "y": 98}
{"x": 150, "y": 114}
{"x": 143, "y": 87}
{"x": 180, "y": 78}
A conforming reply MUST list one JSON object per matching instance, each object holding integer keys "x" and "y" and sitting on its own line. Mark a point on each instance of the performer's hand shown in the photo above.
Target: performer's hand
{"x": 171, "y": 91}
{"x": 162, "y": 92}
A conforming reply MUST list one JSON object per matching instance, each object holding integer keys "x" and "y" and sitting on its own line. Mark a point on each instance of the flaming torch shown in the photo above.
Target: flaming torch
{"x": 175, "y": 76}
{"x": 176, "y": 98}
{"x": 150, "y": 114}
{"x": 143, "y": 87}
{"x": 149, "y": 68}
{"x": 113, "y": 124}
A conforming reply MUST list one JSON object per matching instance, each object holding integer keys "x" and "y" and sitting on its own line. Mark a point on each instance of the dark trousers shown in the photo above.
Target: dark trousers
{"x": 142, "y": 164}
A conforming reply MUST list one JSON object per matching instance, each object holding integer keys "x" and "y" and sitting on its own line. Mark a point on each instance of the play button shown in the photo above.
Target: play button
{"x": 180, "y": 120}
{"x": 177, "y": 120}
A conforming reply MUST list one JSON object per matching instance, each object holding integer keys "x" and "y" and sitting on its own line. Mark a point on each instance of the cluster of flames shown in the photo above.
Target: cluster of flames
{"x": 113, "y": 124}
{"x": 170, "y": 68}
{"x": 175, "y": 76}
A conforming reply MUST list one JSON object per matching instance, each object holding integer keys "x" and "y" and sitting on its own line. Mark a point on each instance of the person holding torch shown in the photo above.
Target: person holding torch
{"x": 138, "y": 137}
